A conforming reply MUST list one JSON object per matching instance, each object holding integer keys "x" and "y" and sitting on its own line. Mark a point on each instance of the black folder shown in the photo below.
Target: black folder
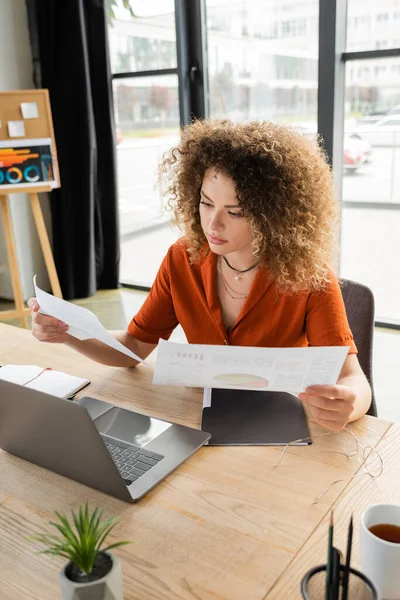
{"x": 241, "y": 417}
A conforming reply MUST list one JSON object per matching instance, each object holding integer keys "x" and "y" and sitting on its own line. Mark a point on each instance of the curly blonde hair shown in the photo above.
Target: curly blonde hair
{"x": 283, "y": 184}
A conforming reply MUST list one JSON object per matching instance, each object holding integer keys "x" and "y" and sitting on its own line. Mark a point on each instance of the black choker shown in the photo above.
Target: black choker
{"x": 237, "y": 271}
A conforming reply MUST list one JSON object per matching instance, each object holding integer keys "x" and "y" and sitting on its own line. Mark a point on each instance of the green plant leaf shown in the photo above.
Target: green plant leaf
{"x": 60, "y": 553}
{"x": 115, "y": 545}
{"x": 65, "y": 528}
{"x": 81, "y": 520}
{"x": 95, "y": 519}
{"x": 86, "y": 516}
{"x": 64, "y": 538}
{"x": 42, "y": 537}
{"x": 104, "y": 533}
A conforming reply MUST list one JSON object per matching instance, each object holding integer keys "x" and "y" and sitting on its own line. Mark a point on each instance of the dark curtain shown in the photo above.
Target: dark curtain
{"x": 69, "y": 42}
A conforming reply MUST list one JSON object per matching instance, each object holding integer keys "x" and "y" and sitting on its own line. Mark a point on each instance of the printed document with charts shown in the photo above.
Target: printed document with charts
{"x": 244, "y": 368}
{"x": 44, "y": 380}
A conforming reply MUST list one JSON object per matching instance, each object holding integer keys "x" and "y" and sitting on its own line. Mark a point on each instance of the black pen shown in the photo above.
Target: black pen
{"x": 335, "y": 577}
{"x": 329, "y": 563}
{"x": 348, "y": 555}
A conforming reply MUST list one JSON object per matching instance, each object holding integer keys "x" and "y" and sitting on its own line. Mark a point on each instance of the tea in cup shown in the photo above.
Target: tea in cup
{"x": 380, "y": 548}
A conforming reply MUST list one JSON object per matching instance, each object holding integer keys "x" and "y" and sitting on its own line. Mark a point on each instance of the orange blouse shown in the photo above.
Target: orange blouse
{"x": 186, "y": 294}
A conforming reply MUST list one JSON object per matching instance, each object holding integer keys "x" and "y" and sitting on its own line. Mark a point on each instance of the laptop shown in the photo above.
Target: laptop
{"x": 114, "y": 450}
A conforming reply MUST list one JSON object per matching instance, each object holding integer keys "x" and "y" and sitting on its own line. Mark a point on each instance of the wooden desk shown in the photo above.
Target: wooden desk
{"x": 226, "y": 525}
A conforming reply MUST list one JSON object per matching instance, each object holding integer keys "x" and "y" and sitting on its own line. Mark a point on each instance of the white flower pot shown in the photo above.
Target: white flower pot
{"x": 108, "y": 587}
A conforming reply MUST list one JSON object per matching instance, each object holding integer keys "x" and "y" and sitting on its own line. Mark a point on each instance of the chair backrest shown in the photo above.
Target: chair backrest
{"x": 360, "y": 309}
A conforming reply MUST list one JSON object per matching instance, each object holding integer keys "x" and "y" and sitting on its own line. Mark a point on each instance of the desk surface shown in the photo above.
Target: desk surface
{"x": 226, "y": 525}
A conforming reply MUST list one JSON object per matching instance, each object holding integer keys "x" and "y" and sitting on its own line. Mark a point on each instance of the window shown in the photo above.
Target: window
{"x": 370, "y": 234}
{"x": 147, "y": 120}
{"x": 390, "y": 123}
{"x": 301, "y": 27}
{"x": 286, "y": 28}
{"x": 369, "y": 255}
{"x": 364, "y": 23}
{"x": 281, "y": 78}
{"x": 382, "y": 17}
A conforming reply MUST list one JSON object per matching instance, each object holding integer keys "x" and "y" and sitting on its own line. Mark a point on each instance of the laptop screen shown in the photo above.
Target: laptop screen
{"x": 130, "y": 427}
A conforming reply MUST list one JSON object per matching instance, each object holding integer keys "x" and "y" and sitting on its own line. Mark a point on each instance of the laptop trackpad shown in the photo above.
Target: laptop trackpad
{"x": 130, "y": 427}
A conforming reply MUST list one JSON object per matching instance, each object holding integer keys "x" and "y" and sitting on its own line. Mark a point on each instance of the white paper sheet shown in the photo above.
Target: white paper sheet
{"x": 244, "y": 368}
{"x": 207, "y": 397}
{"x": 16, "y": 128}
{"x": 83, "y": 324}
{"x": 29, "y": 110}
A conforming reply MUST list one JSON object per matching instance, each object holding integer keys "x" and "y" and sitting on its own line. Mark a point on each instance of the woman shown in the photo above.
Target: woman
{"x": 256, "y": 204}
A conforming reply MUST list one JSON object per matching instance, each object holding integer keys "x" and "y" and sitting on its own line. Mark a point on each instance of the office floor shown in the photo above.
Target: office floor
{"x": 116, "y": 307}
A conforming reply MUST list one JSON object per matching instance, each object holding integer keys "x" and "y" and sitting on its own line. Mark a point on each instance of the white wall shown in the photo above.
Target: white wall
{"x": 16, "y": 73}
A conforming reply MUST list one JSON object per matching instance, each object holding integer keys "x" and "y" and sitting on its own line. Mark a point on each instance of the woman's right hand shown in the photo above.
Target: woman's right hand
{"x": 45, "y": 328}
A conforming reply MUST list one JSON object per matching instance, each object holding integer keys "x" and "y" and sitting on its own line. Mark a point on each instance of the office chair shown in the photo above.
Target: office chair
{"x": 360, "y": 309}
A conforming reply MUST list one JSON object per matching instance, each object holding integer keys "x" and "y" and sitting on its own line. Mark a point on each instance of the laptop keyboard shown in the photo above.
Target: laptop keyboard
{"x": 132, "y": 461}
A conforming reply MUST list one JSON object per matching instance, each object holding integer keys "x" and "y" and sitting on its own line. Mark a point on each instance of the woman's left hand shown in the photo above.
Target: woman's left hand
{"x": 330, "y": 405}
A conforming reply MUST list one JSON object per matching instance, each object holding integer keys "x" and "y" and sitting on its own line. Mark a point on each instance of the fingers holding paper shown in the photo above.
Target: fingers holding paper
{"x": 330, "y": 405}
{"x": 46, "y": 328}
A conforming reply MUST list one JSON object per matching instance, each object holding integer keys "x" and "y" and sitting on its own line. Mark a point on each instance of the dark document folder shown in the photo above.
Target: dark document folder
{"x": 240, "y": 417}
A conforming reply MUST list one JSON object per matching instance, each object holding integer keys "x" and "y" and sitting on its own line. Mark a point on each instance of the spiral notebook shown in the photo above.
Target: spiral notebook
{"x": 44, "y": 379}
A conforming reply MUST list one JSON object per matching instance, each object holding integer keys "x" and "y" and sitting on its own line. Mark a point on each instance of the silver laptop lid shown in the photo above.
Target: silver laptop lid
{"x": 59, "y": 435}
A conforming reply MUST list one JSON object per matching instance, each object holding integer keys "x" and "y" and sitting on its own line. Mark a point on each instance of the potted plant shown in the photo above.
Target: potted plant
{"x": 92, "y": 573}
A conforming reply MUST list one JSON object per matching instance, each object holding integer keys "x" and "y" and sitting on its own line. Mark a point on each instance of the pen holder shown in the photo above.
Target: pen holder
{"x": 313, "y": 585}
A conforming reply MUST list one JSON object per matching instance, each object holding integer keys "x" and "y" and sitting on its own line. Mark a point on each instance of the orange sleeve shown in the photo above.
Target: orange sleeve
{"x": 156, "y": 319}
{"x": 326, "y": 320}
